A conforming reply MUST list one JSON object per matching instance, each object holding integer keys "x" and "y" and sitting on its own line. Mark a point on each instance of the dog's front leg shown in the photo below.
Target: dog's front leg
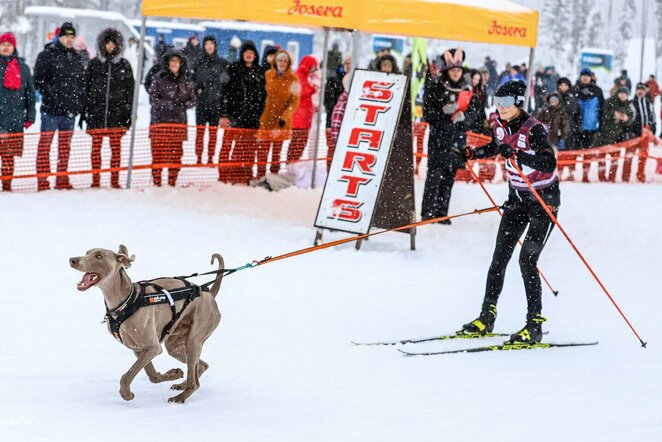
{"x": 145, "y": 356}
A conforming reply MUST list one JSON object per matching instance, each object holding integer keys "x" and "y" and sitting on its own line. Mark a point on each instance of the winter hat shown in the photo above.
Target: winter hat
{"x": 8, "y": 37}
{"x": 586, "y": 71}
{"x": 67, "y": 28}
{"x": 564, "y": 80}
{"x": 452, "y": 58}
{"x": 12, "y": 80}
{"x": 515, "y": 89}
{"x": 623, "y": 90}
{"x": 639, "y": 85}
{"x": 209, "y": 38}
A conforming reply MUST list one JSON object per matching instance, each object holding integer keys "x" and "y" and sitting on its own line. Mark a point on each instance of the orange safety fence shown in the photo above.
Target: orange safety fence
{"x": 167, "y": 154}
{"x": 180, "y": 155}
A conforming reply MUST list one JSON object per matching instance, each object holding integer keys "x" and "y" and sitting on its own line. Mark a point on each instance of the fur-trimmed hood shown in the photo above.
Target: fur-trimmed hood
{"x": 110, "y": 34}
{"x": 165, "y": 60}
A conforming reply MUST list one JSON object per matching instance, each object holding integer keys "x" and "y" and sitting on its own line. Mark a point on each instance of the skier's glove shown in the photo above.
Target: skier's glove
{"x": 449, "y": 108}
{"x": 505, "y": 150}
{"x": 463, "y": 153}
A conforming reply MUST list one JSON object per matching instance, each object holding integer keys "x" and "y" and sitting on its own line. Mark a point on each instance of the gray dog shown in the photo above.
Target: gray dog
{"x": 143, "y": 315}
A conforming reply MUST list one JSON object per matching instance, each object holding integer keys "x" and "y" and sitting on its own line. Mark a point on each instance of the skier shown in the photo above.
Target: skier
{"x": 516, "y": 132}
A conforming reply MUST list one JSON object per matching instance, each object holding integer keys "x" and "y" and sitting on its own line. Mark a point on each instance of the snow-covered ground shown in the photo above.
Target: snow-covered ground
{"x": 282, "y": 366}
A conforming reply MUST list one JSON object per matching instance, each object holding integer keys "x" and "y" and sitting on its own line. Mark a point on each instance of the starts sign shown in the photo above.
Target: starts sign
{"x": 362, "y": 152}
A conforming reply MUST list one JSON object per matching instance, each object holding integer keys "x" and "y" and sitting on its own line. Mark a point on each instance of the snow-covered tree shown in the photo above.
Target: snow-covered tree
{"x": 625, "y": 30}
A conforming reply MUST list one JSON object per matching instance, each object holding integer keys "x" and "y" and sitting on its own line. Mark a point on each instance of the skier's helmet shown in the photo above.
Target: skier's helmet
{"x": 511, "y": 93}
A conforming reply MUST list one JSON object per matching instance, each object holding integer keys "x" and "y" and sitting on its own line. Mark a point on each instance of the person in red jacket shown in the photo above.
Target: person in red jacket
{"x": 303, "y": 117}
{"x": 653, "y": 88}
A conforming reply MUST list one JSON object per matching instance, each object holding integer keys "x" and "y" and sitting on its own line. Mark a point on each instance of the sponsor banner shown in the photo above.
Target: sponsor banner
{"x": 362, "y": 152}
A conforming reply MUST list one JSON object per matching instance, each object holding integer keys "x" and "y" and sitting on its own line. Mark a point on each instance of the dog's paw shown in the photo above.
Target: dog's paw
{"x": 127, "y": 395}
{"x": 175, "y": 373}
{"x": 180, "y": 386}
{"x": 179, "y": 399}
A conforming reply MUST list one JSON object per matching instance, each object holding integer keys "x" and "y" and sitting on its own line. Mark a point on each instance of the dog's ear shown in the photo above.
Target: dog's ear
{"x": 124, "y": 258}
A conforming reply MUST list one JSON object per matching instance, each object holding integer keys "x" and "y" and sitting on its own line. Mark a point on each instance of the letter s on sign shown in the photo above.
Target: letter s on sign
{"x": 346, "y": 210}
{"x": 377, "y": 91}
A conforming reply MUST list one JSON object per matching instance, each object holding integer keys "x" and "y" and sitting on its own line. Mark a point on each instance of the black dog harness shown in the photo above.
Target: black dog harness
{"x": 138, "y": 299}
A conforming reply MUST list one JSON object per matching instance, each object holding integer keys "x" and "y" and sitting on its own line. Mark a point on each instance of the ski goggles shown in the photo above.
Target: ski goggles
{"x": 507, "y": 101}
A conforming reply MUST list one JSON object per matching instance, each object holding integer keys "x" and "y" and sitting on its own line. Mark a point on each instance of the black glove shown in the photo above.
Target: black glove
{"x": 281, "y": 123}
{"x": 463, "y": 153}
{"x": 505, "y": 150}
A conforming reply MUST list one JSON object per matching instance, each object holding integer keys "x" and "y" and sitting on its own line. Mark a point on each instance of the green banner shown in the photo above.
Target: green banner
{"x": 418, "y": 68}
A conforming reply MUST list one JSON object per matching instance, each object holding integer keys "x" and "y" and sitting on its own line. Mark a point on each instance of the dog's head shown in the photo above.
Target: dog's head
{"x": 100, "y": 265}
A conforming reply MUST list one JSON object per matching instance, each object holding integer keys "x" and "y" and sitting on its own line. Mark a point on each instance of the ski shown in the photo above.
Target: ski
{"x": 432, "y": 338}
{"x": 501, "y": 347}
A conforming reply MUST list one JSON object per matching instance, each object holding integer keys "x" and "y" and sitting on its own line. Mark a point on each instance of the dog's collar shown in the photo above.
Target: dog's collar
{"x": 123, "y": 305}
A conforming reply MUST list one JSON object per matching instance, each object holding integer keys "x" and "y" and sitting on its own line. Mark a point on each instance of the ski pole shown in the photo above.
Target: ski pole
{"x": 270, "y": 259}
{"x": 475, "y": 177}
{"x": 513, "y": 162}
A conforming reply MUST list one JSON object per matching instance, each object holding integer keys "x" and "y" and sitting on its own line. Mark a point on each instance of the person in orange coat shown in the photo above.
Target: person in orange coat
{"x": 303, "y": 117}
{"x": 283, "y": 95}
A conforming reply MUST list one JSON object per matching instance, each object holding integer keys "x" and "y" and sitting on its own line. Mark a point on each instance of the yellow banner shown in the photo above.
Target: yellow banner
{"x": 501, "y": 22}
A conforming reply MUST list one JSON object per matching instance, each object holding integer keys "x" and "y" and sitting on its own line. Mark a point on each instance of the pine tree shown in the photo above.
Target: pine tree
{"x": 596, "y": 30}
{"x": 625, "y": 30}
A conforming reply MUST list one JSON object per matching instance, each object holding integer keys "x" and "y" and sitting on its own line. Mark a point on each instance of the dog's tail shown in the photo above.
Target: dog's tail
{"x": 216, "y": 286}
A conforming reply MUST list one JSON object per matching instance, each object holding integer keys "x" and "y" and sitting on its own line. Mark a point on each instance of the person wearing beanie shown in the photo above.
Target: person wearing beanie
{"x": 210, "y": 78}
{"x": 446, "y": 101}
{"x": 241, "y": 108}
{"x": 591, "y": 104}
{"x": 60, "y": 77}
{"x": 519, "y": 138}
{"x": 109, "y": 86}
{"x": 17, "y": 101}
{"x": 644, "y": 115}
{"x": 617, "y": 119}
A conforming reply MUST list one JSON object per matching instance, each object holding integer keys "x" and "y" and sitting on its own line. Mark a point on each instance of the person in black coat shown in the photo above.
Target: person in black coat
{"x": 210, "y": 77}
{"x": 445, "y": 105}
{"x": 193, "y": 53}
{"x": 571, "y": 108}
{"x": 241, "y": 108}
{"x": 109, "y": 86}
{"x": 60, "y": 77}
{"x": 334, "y": 88}
{"x": 170, "y": 95}
{"x": 644, "y": 111}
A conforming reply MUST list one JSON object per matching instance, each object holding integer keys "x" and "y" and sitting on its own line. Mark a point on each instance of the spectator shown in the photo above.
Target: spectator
{"x": 242, "y": 107}
{"x": 513, "y": 75}
{"x": 233, "y": 49}
{"x": 170, "y": 95}
{"x": 131, "y": 54}
{"x": 161, "y": 48}
{"x": 550, "y": 78}
{"x": 303, "y": 117}
{"x": 210, "y": 77}
{"x": 624, "y": 80}
{"x": 571, "y": 108}
{"x": 555, "y": 120}
{"x": 492, "y": 77}
{"x": 17, "y": 101}
{"x": 60, "y": 77}
{"x": 407, "y": 66}
{"x": 504, "y": 74}
{"x": 193, "y": 53}
{"x": 268, "y": 56}
{"x": 653, "y": 88}
{"x": 108, "y": 101}
{"x": 591, "y": 104}
{"x": 524, "y": 72}
{"x": 539, "y": 91}
{"x": 334, "y": 88}
{"x": 486, "y": 81}
{"x": 339, "y": 112}
{"x": 380, "y": 53}
{"x": 644, "y": 111}
{"x": 618, "y": 83}
{"x": 617, "y": 119}
{"x": 476, "y": 117}
{"x": 333, "y": 61}
{"x": 446, "y": 100}
{"x": 283, "y": 94}
{"x": 387, "y": 64}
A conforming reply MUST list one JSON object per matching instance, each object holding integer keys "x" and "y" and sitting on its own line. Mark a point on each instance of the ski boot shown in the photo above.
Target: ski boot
{"x": 481, "y": 326}
{"x": 531, "y": 333}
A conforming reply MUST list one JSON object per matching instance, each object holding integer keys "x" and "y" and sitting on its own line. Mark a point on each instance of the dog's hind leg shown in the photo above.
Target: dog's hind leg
{"x": 193, "y": 351}
{"x": 176, "y": 347}
{"x": 145, "y": 356}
